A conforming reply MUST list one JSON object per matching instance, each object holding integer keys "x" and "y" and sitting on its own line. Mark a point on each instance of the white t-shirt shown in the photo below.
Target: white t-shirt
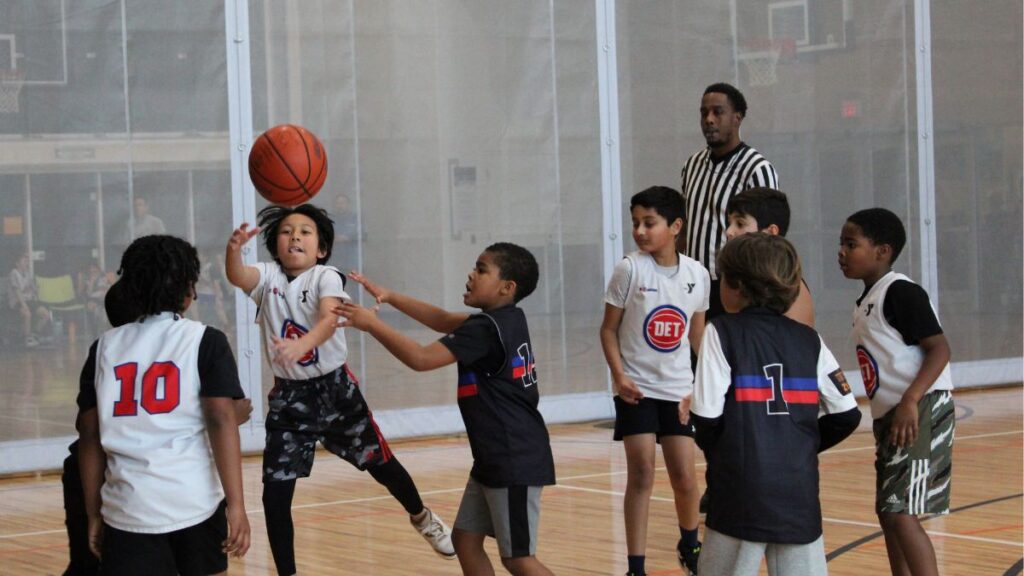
{"x": 291, "y": 309}
{"x": 658, "y": 305}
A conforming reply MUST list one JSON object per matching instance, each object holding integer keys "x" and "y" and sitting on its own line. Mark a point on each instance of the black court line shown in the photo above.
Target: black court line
{"x": 856, "y": 543}
{"x": 1016, "y": 569}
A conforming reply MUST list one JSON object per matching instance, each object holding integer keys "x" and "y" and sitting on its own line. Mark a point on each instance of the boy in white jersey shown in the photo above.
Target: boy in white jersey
{"x": 315, "y": 396}
{"x": 161, "y": 402}
{"x": 654, "y": 314}
{"x": 904, "y": 361}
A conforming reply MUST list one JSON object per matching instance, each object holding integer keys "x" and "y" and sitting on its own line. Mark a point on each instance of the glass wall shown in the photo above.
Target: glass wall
{"x": 451, "y": 125}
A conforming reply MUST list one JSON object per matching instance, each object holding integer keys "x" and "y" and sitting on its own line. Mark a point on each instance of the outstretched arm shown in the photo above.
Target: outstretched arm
{"x": 222, "y": 428}
{"x": 413, "y": 354}
{"x": 245, "y": 277}
{"x": 437, "y": 319}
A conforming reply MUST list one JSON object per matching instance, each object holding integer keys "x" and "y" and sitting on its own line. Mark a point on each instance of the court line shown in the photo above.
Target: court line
{"x": 563, "y": 479}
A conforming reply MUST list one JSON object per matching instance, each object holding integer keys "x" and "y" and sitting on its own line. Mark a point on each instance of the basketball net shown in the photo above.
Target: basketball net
{"x": 761, "y": 64}
{"x": 11, "y": 82}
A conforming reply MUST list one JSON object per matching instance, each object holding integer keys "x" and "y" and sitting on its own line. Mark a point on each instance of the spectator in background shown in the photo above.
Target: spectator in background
{"x": 23, "y": 298}
{"x": 92, "y": 287}
{"x": 346, "y": 235}
{"x": 146, "y": 224}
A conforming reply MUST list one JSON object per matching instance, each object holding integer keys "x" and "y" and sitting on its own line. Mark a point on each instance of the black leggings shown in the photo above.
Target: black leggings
{"x": 277, "y": 508}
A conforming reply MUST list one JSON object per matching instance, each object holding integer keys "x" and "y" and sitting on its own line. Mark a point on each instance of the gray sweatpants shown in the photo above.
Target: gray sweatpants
{"x": 722, "y": 555}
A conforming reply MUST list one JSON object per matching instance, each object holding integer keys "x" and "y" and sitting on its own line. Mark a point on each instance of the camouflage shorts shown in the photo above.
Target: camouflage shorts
{"x": 916, "y": 479}
{"x": 329, "y": 409}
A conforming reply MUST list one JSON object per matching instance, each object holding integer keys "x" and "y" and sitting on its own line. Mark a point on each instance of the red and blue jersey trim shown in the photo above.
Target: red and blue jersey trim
{"x": 467, "y": 385}
{"x": 759, "y": 389}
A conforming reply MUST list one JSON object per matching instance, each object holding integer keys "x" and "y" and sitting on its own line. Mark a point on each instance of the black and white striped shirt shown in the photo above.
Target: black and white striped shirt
{"x": 707, "y": 187}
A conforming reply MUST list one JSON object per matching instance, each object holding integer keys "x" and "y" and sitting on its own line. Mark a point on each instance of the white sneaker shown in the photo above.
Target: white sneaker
{"x": 436, "y": 533}
{"x": 31, "y": 342}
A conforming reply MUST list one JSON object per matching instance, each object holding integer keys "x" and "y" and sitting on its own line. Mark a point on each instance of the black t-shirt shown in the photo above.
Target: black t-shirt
{"x": 908, "y": 309}
{"x": 218, "y": 373}
{"x": 498, "y": 400}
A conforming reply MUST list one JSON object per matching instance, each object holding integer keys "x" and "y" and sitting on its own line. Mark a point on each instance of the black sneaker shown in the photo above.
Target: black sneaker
{"x": 635, "y": 574}
{"x": 688, "y": 557}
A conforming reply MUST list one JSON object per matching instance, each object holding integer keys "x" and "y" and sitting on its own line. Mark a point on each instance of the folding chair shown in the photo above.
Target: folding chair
{"x": 58, "y": 296}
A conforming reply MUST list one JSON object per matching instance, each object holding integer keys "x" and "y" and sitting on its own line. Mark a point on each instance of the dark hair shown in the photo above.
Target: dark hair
{"x": 663, "y": 200}
{"x": 120, "y": 310}
{"x": 736, "y": 99}
{"x": 881, "y": 226}
{"x": 270, "y": 219}
{"x": 766, "y": 205}
{"x": 158, "y": 272}
{"x": 517, "y": 264}
{"x": 764, "y": 268}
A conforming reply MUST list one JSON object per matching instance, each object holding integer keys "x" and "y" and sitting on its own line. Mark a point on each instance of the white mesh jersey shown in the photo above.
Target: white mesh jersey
{"x": 887, "y": 364}
{"x": 291, "y": 309}
{"x": 160, "y": 472}
{"x": 655, "y": 328}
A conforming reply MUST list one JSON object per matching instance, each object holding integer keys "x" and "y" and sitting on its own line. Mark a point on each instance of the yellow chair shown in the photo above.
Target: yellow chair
{"x": 58, "y": 296}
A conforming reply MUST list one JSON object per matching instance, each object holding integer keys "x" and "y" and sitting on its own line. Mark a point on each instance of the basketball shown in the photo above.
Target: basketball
{"x": 288, "y": 164}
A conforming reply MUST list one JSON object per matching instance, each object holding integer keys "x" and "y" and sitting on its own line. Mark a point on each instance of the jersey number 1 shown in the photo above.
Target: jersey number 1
{"x": 129, "y": 406}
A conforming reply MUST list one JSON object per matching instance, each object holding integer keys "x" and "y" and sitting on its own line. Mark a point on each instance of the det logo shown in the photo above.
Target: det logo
{"x": 868, "y": 371}
{"x": 664, "y": 328}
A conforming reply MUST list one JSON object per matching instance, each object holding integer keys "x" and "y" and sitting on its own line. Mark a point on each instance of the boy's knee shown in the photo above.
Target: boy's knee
{"x": 466, "y": 542}
{"x": 518, "y": 565}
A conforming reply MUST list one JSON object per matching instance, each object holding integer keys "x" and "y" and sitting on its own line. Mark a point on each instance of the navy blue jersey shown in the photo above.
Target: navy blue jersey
{"x": 761, "y": 380}
{"x": 498, "y": 399}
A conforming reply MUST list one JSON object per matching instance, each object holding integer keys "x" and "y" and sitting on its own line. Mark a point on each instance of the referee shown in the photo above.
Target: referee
{"x": 715, "y": 174}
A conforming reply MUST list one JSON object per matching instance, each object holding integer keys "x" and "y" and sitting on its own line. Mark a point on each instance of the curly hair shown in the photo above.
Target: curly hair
{"x": 158, "y": 273}
{"x": 735, "y": 97}
{"x": 517, "y": 264}
{"x": 764, "y": 268}
{"x": 270, "y": 219}
{"x": 881, "y": 226}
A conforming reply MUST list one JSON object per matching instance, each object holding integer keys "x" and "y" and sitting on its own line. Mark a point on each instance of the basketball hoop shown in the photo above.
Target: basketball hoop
{"x": 762, "y": 59}
{"x": 11, "y": 82}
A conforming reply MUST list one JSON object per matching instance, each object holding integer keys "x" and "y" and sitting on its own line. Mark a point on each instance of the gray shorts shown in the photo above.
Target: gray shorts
{"x": 722, "y": 555}
{"x": 511, "y": 515}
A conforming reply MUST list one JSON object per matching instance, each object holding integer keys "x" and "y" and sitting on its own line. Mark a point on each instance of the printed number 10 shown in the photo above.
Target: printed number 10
{"x": 126, "y": 374}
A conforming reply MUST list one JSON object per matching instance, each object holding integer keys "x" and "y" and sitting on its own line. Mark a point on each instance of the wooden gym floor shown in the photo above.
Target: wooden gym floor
{"x": 346, "y": 524}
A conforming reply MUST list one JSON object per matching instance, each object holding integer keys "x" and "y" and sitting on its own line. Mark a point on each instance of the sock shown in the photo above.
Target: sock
{"x": 277, "y": 509}
{"x": 688, "y": 538}
{"x": 393, "y": 476}
{"x": 636, "y": 564}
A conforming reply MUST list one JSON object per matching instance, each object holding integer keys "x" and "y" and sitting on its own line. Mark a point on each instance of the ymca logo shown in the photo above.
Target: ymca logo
{"x": 293, "y": 331}
{"x": 868, "y": 371}
{"x": 664, "y": 328}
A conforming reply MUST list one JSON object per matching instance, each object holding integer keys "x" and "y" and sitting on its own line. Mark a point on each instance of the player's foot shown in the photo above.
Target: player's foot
{"x": 688, "y": 557}
{"x": 635, "y": 574}
{"x": 436, "y": 533}
{"x": 31, "y": 342}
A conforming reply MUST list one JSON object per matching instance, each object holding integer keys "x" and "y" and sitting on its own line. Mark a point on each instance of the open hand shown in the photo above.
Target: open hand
{"x": 355, "y": 316}
{"x": 241, "y": 235}
{"x": 903, "y": 431}
{"x": 237, "y": 543}
{"x": 288, "y": 351}
{"x": 96, "y": 536}
{"x": 243, "y": 410}
{"x": 380, "y": 293}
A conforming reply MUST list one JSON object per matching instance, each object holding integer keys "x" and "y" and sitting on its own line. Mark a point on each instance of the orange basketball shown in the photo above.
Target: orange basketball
{"x": 288, "y": 164}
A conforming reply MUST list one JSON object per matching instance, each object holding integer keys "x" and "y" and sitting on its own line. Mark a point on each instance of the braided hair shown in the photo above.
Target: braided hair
{"x": 158, "y": 273}
{"x": 270, "y": 219}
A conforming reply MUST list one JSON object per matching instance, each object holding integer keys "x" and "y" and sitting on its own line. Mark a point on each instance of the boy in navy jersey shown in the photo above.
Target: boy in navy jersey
{"x": 904, "y": 361}
{"x": 159, "y": 403}
{"x": 761, "y": 381}
{"x": 653, "y": 317}
{"x": 497, "y": 395}
{"x": 767, "y": 210}
{"x": 315, "y": 398}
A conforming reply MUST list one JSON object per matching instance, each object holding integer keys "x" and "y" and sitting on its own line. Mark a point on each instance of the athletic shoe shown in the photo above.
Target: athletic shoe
{"x": 688, "y": 557}
{"x": 31, "y": 342}
{"x": 436, "y": 533}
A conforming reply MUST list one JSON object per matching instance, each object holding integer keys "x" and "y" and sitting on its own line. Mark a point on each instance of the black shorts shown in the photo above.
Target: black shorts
{"x": 329, "y": 409}
{"x": 194, "y": 551}
{"x": 658, "y": 417}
